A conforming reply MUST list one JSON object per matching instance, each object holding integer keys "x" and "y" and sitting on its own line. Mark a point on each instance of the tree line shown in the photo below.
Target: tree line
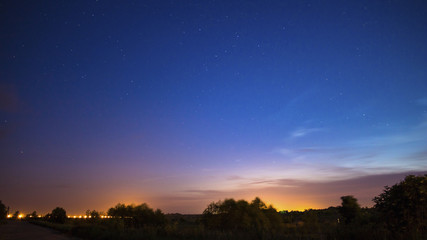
{"x": 399, "y": 212}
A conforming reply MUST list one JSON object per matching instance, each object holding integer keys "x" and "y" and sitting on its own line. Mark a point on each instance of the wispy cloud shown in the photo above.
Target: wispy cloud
{"x": 301, "y": 132}
{"x": 386, "y": 153}
{"x": 247, "y": 182}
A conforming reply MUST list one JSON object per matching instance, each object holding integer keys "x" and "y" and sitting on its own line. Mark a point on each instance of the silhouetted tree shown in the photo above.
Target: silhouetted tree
{"x": 58, "y": 215}
{"x": 34, "y": 214}
{"x": 239, "y": 215}
{"x": 403, "y": 207}
{"x": 258, "y": 203}
{"x": 31, "y": 215}
{"x": 139, "y": 215}
{"x": 47, "y": 217}
{"x": 94, "y": 214}
{"x": 15, "y": 215}
{"x": 228, "y": 214}
{"x": 119, "y": 210}
{"x": 349, "y": 209}
{"x": 3, "y": 211}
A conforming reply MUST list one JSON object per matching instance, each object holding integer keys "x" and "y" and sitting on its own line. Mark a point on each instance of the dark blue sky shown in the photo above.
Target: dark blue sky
{"x": 189, "y": 102}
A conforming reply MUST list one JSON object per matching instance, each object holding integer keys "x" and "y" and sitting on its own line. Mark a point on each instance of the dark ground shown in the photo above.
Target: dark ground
{"x": 22, "y": 230}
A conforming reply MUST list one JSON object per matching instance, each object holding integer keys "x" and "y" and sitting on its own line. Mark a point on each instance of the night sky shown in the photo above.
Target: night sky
{"x": 181, "y": 103}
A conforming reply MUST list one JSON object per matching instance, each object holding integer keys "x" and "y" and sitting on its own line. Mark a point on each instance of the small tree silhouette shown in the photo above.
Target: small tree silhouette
{"x": 349, "y": 209}
{"x": 34, "y": 214}
{"x": 58, "y": 215}
{"x": 138, "y": 215}
{"x": 3, "y": 211}
{"x": 232, "y": 215}
{"x": 15, "y": 215}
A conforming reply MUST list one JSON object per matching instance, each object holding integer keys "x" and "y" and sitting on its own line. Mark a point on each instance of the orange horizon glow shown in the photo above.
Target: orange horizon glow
{"x": 305, "y": 196}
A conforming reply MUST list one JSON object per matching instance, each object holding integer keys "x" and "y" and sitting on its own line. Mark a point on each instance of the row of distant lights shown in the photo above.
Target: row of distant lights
{"x": 19, "y": 216}
{"x": 80, "y": 216}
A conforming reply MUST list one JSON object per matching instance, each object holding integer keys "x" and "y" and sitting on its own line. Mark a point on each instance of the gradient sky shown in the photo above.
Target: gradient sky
{"x": 181, "y": 103}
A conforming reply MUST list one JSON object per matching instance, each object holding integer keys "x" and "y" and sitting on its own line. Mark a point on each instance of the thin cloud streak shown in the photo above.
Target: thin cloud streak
{"x": 301, "y": 132}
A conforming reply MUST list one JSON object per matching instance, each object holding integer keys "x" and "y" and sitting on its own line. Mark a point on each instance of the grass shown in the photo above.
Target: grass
{"x": 190, "y": 228}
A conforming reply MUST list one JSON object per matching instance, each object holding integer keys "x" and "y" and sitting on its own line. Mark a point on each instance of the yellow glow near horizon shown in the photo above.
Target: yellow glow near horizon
{"x": 300, "y": 206}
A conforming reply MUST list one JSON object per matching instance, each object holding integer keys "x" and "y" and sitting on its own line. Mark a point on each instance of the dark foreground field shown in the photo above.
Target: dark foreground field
{"x": 22, "y": 230}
